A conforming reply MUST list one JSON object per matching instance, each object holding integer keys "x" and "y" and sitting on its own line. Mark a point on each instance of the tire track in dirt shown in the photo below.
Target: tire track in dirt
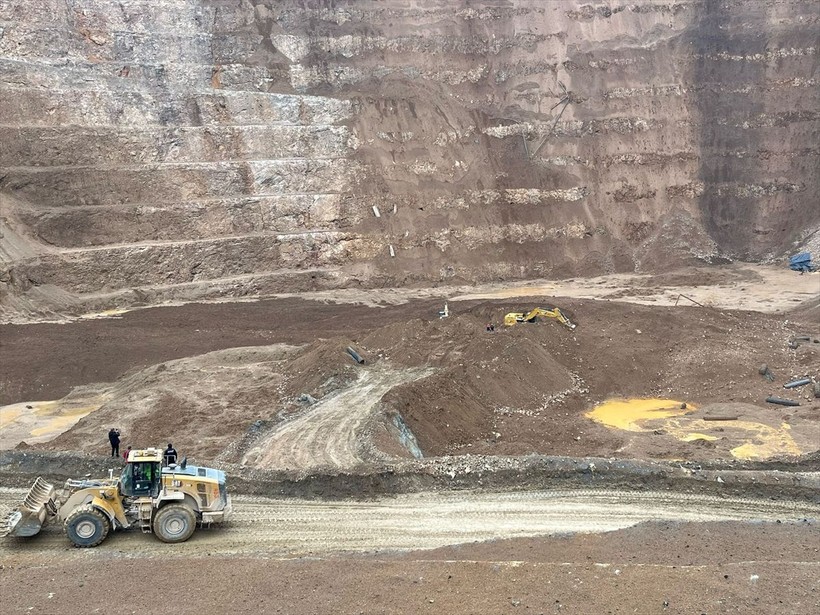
{"x": 326, "y": 436}
{"x": 289, "y": 528}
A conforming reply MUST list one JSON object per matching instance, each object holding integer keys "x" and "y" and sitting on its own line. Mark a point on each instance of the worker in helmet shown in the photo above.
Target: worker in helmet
{"x": 170, "y": 455}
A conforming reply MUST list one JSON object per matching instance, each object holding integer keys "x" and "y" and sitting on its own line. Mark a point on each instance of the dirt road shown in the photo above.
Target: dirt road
{"x": 456, "y": 553}
{"x": 294, "y": 528}
{"x": 328, "y": 435}
{"x": 758, "y": 288}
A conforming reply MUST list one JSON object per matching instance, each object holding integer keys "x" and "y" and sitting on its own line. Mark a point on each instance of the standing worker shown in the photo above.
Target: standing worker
{"x": 169, "y": 456}
{"x": 114, "y": 439}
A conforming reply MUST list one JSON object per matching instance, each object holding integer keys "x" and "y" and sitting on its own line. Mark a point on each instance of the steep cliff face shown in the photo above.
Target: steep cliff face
{"x": 196, "y": 148}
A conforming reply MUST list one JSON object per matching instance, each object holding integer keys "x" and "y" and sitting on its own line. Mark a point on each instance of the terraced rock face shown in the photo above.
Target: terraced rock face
{"x": 200, "y": 148}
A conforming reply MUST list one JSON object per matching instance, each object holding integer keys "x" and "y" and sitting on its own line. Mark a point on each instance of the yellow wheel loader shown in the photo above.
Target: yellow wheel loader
{"x": 531, "y": 316}
{"x": 167, "y": 501}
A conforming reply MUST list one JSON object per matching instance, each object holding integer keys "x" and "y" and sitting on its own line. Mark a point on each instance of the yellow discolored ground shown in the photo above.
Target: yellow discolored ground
{"x": 39, "y": 421}
{"x": 630, "y": 414}
{"x": 756, "y": 436}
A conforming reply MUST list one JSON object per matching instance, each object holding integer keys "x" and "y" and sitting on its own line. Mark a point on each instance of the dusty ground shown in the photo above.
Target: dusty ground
{"x": 198, "y": 150}
{"x": 540, "y": 552}
{"x": 275, "y": 380}
{"x": 660, "y": 567}
{"x": 429, "y": 386}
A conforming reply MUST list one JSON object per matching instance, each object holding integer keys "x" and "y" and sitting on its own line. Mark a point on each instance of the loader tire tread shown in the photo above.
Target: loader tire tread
{"x": 81, "y": 521}
{"x": 174, "y": 523}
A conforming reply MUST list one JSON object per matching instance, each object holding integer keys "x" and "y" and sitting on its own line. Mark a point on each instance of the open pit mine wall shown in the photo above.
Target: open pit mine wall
{"x": 190, "y": 148}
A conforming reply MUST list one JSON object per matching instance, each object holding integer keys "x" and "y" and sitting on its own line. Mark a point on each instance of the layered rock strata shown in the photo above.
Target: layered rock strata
{"x": 198, "y": 148}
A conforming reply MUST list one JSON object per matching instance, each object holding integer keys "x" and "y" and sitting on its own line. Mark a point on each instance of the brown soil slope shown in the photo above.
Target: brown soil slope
{"x": 513, "y": 391}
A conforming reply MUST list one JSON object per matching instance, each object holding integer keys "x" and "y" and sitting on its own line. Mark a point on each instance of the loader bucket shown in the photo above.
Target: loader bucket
{"x": 28, "y": 519}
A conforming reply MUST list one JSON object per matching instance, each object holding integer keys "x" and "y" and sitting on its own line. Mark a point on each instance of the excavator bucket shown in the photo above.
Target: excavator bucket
{"x": 28, "y": 519}
{"x": 562, "y": 318}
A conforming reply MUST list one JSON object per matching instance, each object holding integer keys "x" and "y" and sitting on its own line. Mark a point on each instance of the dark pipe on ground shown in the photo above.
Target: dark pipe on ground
{"x": 782, "y": 402}
{"x": 797, "y": 383}
{"x": 356, "y": 356}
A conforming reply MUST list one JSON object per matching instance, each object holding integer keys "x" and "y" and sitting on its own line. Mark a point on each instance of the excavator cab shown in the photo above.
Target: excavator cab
{"x": 142, "y": 474}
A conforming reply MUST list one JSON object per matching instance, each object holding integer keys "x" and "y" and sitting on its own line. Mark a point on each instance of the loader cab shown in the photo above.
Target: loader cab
{"x": 142, "y": 473}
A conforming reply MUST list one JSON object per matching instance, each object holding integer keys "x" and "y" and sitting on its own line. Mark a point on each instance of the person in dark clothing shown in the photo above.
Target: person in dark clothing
{"x": 114, "y": 439}
{"x": 170, "y": 455}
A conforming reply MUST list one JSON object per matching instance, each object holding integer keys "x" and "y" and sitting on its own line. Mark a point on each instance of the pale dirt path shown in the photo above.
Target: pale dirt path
{"x": 330, "y": 434}
{"x": 758, "y": 288}
{"x": 775, "y": 289}
{"x": 291, "y": 528}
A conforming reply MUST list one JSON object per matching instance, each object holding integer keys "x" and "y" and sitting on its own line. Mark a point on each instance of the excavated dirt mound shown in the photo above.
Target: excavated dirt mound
{"x": 205, "y": 402}
{"x": 44, "y": 361}
{"x": 517, "y": 390}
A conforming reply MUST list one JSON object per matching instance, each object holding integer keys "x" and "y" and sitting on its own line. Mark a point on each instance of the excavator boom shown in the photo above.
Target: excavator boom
{"x": 516, "y": 317}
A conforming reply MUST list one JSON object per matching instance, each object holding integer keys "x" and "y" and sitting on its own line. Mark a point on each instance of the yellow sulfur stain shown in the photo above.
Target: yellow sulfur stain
{"x": 628, "y": 414}
{"x": 61, "y": 422}
{"x": 690, "y": 429}
{"x": 767, "y": 442}
{"x": 9, "y": 414}
{"x": 40, "y": 421}
{"x": 44, "y": 408}
{"x": 759, "y": 441}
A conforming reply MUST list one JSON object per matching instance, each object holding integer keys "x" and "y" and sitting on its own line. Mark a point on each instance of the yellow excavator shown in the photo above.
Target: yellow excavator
{"x": 515, "y": 317}
{"x": 169, "y": 501}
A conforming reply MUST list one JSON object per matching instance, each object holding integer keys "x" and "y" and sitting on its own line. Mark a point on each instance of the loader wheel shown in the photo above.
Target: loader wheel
{"x": 174, "y": 523}
{"x": 87, "y": 527}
